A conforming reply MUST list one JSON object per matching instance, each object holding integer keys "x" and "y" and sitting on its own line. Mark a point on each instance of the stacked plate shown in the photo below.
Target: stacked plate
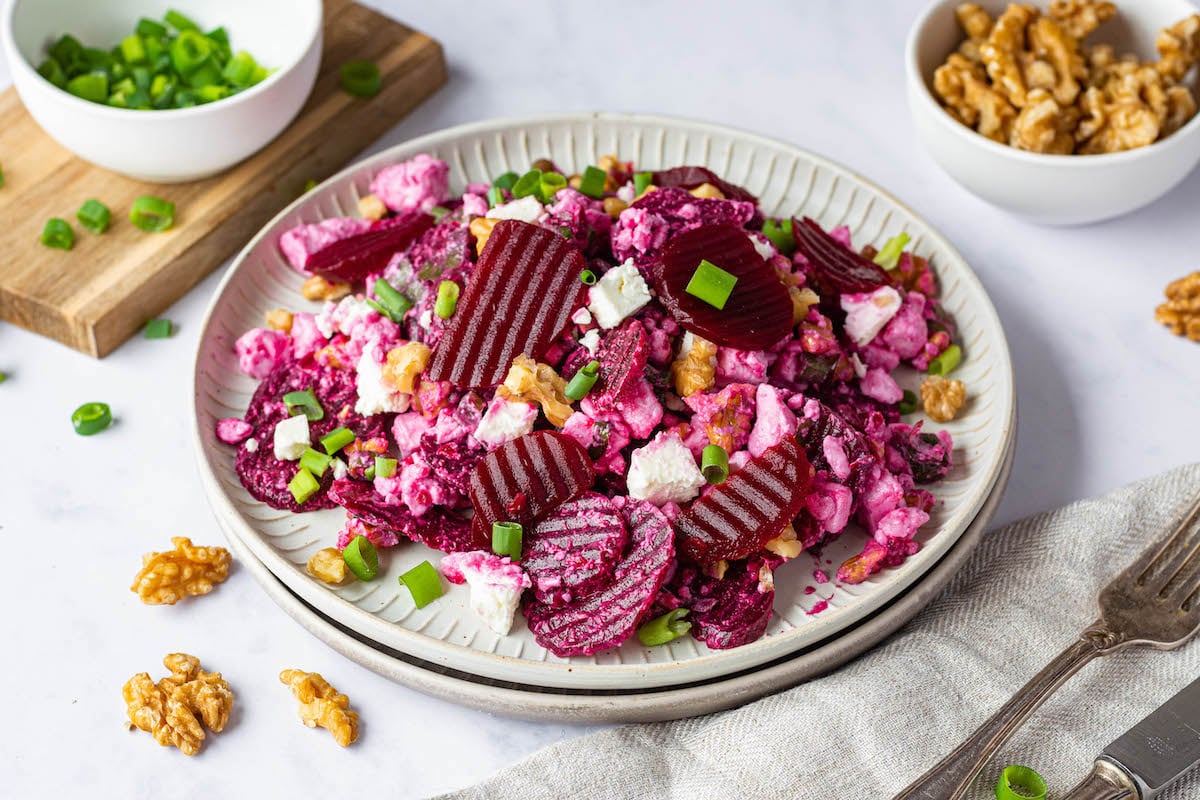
{"x": 444, "y": 648}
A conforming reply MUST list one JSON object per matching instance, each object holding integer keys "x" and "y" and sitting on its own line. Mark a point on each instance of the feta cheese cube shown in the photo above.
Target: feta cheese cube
{"x": 620, "y": 293}
{"x": 582, "y": 317}
{"x": 868, "y": 312}
{"x": 496, "y": 585}
{"x": 664, "y": 471}
{"x": 591, "y": 341}
{"x": 375, "y": 396}
{"x": 525, "y": 209}
{"x": 252, "y": 445}
{"x": 504, "y": 421}
{"x": 763, "y": 246}
{"x": 291, "y": 438}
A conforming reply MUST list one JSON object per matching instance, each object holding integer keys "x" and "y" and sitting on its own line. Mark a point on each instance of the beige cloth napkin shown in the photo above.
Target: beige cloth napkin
{"x": 868, "y": 729}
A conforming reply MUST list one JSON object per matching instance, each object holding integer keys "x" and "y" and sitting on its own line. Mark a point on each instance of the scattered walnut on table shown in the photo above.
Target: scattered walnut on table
{"x": 327, "y": 565}
{"x": 319, "y": 288}
{"x": 942, "y": 397}
{"x": 322, "y": 705}
{"x": 405, "y": 365}
{"x": 1080, "y": 17}
{"x": 535, "y": 382}
{"x": 1181, "y": 312}
{"x": 173, "y": 709}
{"x": 168, "y": 577}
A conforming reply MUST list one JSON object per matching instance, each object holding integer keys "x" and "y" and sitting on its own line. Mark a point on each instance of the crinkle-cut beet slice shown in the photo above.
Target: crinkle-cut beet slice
{"x": 738, "y": 613}
{"x": 520, "y": 297}
{"x": 608, "y": 617}
{"x": 835, "y": 270}
{"x": 622, "y": 355}
{"x": 354, "y": 258}
{"x": 438, "y": 528}
{"x": 527, "y": 478}
{"x": 266, "y": 477}
{"x": 572, "y": 553}
{"x": 691, "y": 177}
{"x": 749, "y": 509}
{"x": 758, "y": 312}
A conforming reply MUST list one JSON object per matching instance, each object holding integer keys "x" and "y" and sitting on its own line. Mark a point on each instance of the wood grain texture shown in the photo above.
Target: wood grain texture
{"x": 95, "y": 296}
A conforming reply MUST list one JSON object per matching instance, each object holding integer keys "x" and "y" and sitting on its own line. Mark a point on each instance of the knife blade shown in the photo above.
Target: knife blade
{"x": 1151, "y": 756}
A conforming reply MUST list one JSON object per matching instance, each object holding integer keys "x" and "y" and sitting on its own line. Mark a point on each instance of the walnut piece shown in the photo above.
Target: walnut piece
{"x": 1053, "y": 46}
{"x": 405, "y": 365}
{"x": 166, "y": 578}
{"x": 964, "y": 89}
{"x": 1080, "y": 17}
{"x": 613, "y": 206}
{"x": 534, "y": 382}
{"x": 975, "y": 22}
{"x": 322, "y": 705}
{"x": 173, "y": 709}
{"x": 1043, "y": 126}
{"x": 318, "y": 288}
{"x": 1181, "y": 312}
{"x": 481, "y": 229}
{"x": 1178, "y": 48}
{"x": 786, "y": 544}
{"x": 279, "y": 319}
{"x": 802, "y": 301}
{"x": 695, "y": 370}
{"x": 707, "y": 190}
{"x": 1001, "y": 51}
{"x": 327, "y": 565}
{"x": 942, "y": 397}
{"x": 371, "y": 207}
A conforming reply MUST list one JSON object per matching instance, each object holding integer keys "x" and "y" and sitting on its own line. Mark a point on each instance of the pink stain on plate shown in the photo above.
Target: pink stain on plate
{"x": 820, "y": 606}
{"x": 820, "y": 576}
{"x": 809, "y": 589}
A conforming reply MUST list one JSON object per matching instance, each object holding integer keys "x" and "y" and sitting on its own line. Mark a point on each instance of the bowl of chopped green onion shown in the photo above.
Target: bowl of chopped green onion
{"x": 160, "y": 90}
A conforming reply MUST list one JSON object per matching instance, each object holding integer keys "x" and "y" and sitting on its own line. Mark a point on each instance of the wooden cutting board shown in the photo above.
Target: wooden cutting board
{"x": 95, "y": 296}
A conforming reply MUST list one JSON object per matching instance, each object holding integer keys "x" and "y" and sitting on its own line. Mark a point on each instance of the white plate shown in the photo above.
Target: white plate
{"x": 787, "y": 180}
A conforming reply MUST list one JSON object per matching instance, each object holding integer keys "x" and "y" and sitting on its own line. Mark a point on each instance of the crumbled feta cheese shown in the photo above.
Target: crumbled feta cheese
{"x": 763, "y": 246}
{"x": 496, "y": 585}
{"x": 504, "y": 421}
{"x": 525, "y": 209}
{"x": 868, "y": 312}
{"x": 860, "y": 368}
{"x": 591, "y": 341}
{"x": 617, "y": 295}
{"x": 252, "y": 445}
{"x": 582, "y": 317}
{"x": 375, "y": 396}
{"x": 291, "y": 438}
{"x": 664, "y": 471}
{"x": 627, "y": 193}
{"x": 339, "y": 469}
{"x": 426, "y": 319}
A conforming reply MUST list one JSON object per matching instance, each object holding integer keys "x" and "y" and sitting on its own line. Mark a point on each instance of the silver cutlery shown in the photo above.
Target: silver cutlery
{"x": 1153, "y": 603}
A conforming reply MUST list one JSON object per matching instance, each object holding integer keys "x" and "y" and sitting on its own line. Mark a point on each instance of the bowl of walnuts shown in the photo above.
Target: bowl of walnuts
{"x": 1065, "y": 114}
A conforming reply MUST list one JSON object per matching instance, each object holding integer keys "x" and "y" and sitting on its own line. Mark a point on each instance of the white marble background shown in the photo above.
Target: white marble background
{"x": 1106, "y": 397}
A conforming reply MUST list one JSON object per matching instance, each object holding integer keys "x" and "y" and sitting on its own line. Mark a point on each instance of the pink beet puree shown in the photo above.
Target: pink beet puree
{"x": 260, "y": 350}
{"x": 302, "y": 241}
{"x": 420, "y": 183}
{"x": 232, "y": 430}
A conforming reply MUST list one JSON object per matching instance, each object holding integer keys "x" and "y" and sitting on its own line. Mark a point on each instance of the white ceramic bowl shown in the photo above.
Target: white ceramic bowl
{"x": 1049, "y": 189}
{"x": 172, "y": 145}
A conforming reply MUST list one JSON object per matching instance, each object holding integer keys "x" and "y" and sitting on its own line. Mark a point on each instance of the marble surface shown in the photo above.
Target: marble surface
{"x": 1106, "y": 396}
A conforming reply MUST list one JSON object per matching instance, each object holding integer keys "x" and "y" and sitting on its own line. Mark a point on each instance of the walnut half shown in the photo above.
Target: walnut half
{"x": 322, "y": 705}
{"x": 166, "y": 578}
{"x": 1181, "y": 312}
{"x": 173, "y": 709}
{"x": 942, "y": 397}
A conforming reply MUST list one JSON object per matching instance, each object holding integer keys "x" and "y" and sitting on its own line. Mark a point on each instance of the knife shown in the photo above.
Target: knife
{"x": 1151, "y": 756}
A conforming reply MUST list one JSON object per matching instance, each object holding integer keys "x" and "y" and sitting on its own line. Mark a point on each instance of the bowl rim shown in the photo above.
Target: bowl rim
{"x": 18, "y": 62}
{"x": 1071, "y": 161}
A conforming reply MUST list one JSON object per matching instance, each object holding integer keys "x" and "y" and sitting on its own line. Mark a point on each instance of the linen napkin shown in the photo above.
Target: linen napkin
{"x": 871, "y": 727}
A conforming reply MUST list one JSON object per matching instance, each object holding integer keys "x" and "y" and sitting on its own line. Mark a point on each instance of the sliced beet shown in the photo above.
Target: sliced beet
{"x": 622, "y": 355}
{"x": 835, "y": 270}
{"x": 355, "y": 257}
{"x": 737, "y": 613}
{"x": 520, "y": 297}
{"x": 572, "y": 553}
{"x": 439, "y": 528}
{"x": 758, "y": 312}
{"x": 608, "y": 617}
{"x": 527, "y": 478}
{"x": 749, "y": 509}
{"x": 691, "y": 177}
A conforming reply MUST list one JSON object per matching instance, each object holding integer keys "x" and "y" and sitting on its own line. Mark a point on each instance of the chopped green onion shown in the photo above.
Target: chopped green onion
{"x": 551, "y": 184}
{"x": 303, "y": 486}
{"x": 190, "y": 52}
{"x": 142, "y": 78}
{"x": 584, "y": 380}
{"x": 1, "y": 177}
{"x": 361, "y": 79}
{"x": 506, "y": 181}
{"x": 437, "y": 212}
{"x": 495, "y": 196}
{"x": 714, "y": 463}
{"x": 240, "y": 69}
{"x": 58, "y": 233}
{"x": 908, "y": 403}
{"x": 592, "y": 182}
{"x": 394, "y": 304}
{"x": 304, "y": 402}
{"x": 947, "y": 361}
{"x": 92, "y": 86}
{"x": 711, "y": 284}
{"x": 315, "y": 461}
{"x": 68, "y": 52}
{"x": 179, "y": 22}
{"x": 447, "y": 299}
{"x": 506, "y": 539}
{"x": 780, "y": 234}
{"x": 336, "y": 439}
{"x": 94, "y": 216}
{"x": 159, "y": 85}
{"x": 424, "y": 583}
{"x": 361, "y": 558}
{"x": 385, "y": 467}
{"x": 152, "y": 214}
{"x": 309, "y": 185}
{"x": 3, "y": 377}
{"x": 528, "y": 184}
{"x": 151, "y": 29}
{"x": 52, "y": 71}
{"x": 588, "y": 277}
{"x": 133, "y": 50}
{"x": 640, "y": 181}
{"x": 209, "y": 77}
{"x": 889, "y": 256}
{"x": 91, "y": 418}
{"x": 667, "y": 628}
{"x": 1020, "y": 783}
{"x": 369, "y": 472}
{"x": 158, "y": 329}
{"x": 185, "y": 98}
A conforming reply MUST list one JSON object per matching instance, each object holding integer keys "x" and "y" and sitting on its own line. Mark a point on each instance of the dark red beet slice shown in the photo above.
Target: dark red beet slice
{"x": 749, "y": 509}
{"x": 691, "y": 177}
{"x": 438, "y": 528}
{"x": 622, "y": 355}
{"x": 571, "y": 553}
{"x": 354, "y": 258}
{"x": 739, "y": 612}
{"x": 527, "y": 478}
{"x": 835, "y": 269}
{"x": 607, "y": 618}
{"x": 758, "y": 313}
{"x": 520, "y": 297}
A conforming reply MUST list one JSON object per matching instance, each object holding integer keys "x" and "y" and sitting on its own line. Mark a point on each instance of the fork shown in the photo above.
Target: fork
{"x": 1154, "y": 603}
